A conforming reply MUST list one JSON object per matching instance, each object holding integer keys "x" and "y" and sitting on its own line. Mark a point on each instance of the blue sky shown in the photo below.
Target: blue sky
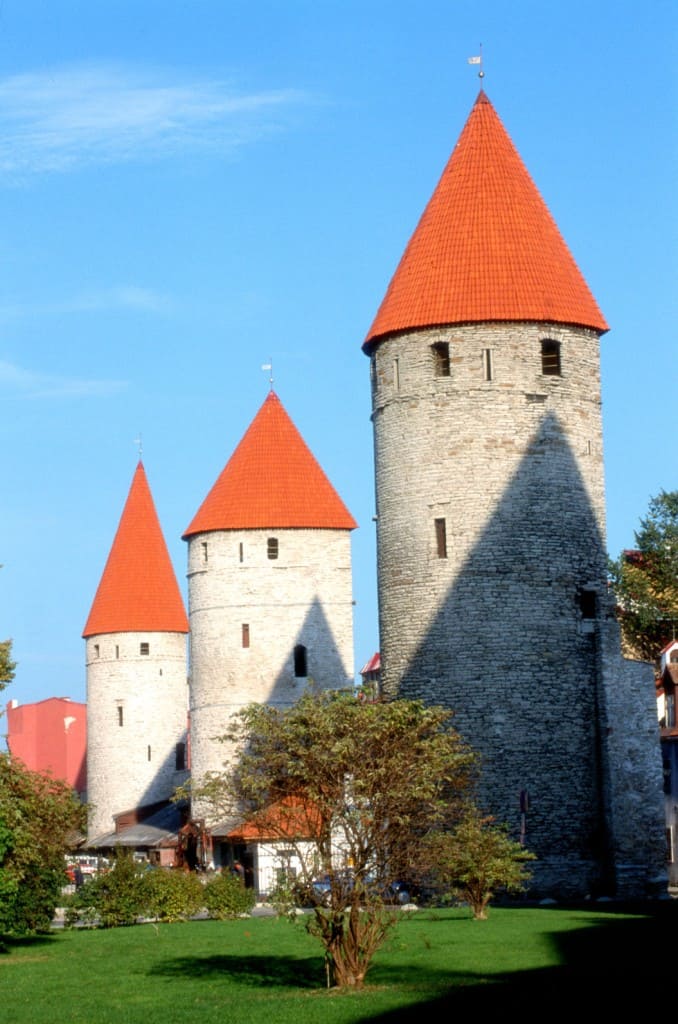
{"x": 188, "y": 189}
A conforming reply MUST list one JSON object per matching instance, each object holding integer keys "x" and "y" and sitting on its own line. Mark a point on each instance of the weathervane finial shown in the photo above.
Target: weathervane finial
{"x": 478, "y": 60}
{"x": 137, "y": 441}
{"x": 269, "y": 366}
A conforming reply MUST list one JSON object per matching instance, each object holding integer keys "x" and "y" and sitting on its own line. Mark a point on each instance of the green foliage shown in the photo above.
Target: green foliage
{"x": 38, "y": 817}
{"x": 476, "y": 860}
{"x": 646, "y": 580}
{"x": 7, "y": 666}
{"x": 225, "y": 896}
{"x": 172, "y": 895}
{"x": 347, "y": 784}
{"x": 118, "y": 897}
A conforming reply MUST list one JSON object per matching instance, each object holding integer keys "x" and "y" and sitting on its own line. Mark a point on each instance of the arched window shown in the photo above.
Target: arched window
{"x": 300, "y": 662}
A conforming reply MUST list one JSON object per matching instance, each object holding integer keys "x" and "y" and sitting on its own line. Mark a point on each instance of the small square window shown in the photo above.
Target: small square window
{"x": 144, "y": 648}
{"x": 272, "y": 547}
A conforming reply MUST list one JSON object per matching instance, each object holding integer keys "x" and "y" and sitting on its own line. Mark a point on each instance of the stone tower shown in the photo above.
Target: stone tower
{"x": 269, "y": 583}
{"x": 491, "y": 522}
{"x": 137, "y": 695}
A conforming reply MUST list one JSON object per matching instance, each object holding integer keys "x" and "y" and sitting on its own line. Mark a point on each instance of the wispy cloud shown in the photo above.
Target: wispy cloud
{"x": 61, "y": 119}
{"x": 119, "y": 298}
{"x": 16, "y": 382}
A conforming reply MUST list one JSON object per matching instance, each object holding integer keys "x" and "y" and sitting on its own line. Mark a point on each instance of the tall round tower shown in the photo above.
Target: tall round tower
{"x": 137, "y": 696}
{"x": 269, "y": 583}
{"x": 490, "y": 500}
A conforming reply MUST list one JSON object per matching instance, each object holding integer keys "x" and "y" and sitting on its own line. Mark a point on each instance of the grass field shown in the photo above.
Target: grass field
{"x": 536, "y": 960}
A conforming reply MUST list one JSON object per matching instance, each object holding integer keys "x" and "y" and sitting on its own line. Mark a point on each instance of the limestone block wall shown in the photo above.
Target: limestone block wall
{"x": 248, "y": 612}
{"x": 137, "y": 706}
{"x": 491, "y": 564}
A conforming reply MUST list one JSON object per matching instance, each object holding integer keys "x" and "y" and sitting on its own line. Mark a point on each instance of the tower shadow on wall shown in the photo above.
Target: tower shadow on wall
{"x": 510, "y": 652}
{"x": 314, "y": 657}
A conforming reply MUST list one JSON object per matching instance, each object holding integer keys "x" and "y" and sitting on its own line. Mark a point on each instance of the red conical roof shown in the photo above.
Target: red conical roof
{"x": 486, "y": 247}
{"x": 272, "y": 481}
{"x": 138, "y": 592}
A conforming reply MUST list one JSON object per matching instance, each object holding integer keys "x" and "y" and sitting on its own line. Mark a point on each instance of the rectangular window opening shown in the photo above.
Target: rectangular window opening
{"x": 180, "y": 757}
{"x": 441, "y": 359}
{"x": 441, "y": 538}
{"x": 203, "y": 545}
{"x": 300, "y": 662}
{"x": 120, "y": 714}
{"x": 488, "y": 369}
{"x": 272, "y": 547}
{"x": 245, "y": 634}
{"x": 144, "y": 648}
{"x": 550, "y": 357}
{"x": 587, "y": 603}
{"x": 148, "y": 751}
{"x": 396, "y": 374}
{"x": 241, "y": 552}
{"x": 97, "y": 652}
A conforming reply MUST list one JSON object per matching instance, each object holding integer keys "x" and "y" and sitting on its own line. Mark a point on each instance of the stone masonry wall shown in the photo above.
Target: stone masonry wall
{"x": 136, "y": 714}
{"x": 501, "y": 625}
{"x": 302, "y": 597}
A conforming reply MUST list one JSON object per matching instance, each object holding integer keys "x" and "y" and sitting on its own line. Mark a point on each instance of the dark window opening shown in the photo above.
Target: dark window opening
{"x": 550, "y": 357}
{"x": 120, "y": 715}
{"x": 441, "y": 359}
{"x": 117, "y": 651}
{"x": 180, "y": 757}
{"x": 203, "y": 544}
{"x": 670, "y": 711}
{"x": 396, "y": 374}
{"x": 300, "y": 662}
{"x": 148, "y": 751}
{"x": 241, "y": 551}
{"x": 666, "y": 774}
{"x": 587, "y": 604}
{"x": 488, "y": 369}
{"x": 441, "y": 538}
{"x": 96, "y": 650}
{"x": 673, "y": 657}
{"x": 144, "y": 648}
{"x": 245, "y": 634}
{"x": 272, "y": 547}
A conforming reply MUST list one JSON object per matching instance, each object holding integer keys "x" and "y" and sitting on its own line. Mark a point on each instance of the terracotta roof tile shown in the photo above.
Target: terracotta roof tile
{"x": 271, "y": 481}
{"x": 138, "y": 591}
{"x": 486, "y": 247}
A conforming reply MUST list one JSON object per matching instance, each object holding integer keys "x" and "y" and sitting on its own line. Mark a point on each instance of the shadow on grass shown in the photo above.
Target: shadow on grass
{"x": 270, "y": 971}
{"x": 600, "y": 963}
{"x": 10, "y": 942}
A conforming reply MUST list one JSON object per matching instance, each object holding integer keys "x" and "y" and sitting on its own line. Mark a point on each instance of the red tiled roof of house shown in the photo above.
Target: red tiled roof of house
{"x": 486, "y": 247}
{"x": 271, "y": 481}
{"x": 290, "y": 818}
{"x": 373, "y": 665}
{"x": 138, "y": 591}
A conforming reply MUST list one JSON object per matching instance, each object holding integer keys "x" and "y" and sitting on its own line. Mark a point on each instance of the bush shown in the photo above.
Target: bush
{"x": 173, "y": 895}
{"x": 116, "y": 898}
{"x": 225, "y": 896}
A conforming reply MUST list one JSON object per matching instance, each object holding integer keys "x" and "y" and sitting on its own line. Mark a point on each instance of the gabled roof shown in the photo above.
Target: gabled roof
{"x": 138, "y": 591}
{"x": 271, "y": 481}
{"x": 486, "y": 247}
{"x": 290, "y": 818}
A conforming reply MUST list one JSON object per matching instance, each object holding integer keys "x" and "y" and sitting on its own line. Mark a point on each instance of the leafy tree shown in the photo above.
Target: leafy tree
{"x": 38, "y": 818}
{"x": 646, "y": 580}
{"x": 354, "y": 788}
{"x": 118, "y": 897}
{"x": 476, "y": 859}
{"x": 225, "y": 896}
{"x": 7, "y": 666}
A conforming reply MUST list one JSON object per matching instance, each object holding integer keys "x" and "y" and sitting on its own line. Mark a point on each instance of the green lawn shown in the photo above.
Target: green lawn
{"x": 267, "y": 970}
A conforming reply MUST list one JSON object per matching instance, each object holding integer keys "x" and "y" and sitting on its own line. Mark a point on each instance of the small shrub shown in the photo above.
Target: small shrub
{"x": 114, "y": 899}
{"x": 172, "y": 895}
{"x": 225, "y": 896}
